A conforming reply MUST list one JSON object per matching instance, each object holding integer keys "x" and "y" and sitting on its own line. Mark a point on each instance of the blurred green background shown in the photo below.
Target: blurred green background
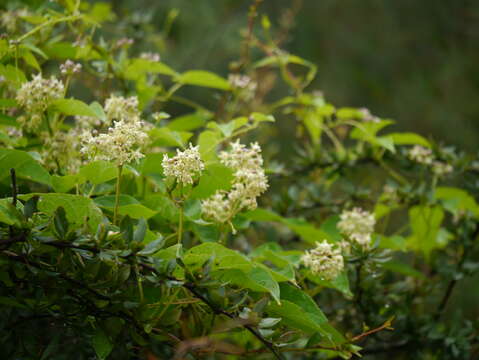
{"x": 413, "y": 61}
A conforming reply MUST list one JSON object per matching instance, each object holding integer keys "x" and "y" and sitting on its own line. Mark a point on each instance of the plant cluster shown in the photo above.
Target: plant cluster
{"x": 138, "y": 222}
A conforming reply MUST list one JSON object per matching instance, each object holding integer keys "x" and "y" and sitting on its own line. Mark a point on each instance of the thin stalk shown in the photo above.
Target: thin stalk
{"x": 138, "y": 280}
{"x": 117, "y": 195}
{"x": 180, "y": 224}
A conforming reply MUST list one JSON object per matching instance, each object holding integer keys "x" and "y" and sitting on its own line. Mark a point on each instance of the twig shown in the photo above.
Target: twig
{"x": 385, "y": 326}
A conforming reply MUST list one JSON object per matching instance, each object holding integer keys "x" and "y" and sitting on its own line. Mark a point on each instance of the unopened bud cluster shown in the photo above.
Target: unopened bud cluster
{"x": 367, "y": 116}
{"x": 36, "y": 96}
{"x": 249, "y": 182}
{"x": 153, "y": 57}
{"x": 325, "y": 260}
{"x": 183, "y": 167}
{"x": 70, "y": 68}
{"x": 425, "y": 156}
{"x": 357, "y": 225}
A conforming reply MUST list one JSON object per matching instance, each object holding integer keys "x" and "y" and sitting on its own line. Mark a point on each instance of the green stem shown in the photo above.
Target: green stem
{"x": 48, "y": 23}
{"x": 117, "y": 195}
{"x": 180, "y": 224}
{"x": 138, "y": 280}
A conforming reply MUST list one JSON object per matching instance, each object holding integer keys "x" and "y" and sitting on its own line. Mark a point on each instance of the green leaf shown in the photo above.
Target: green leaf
{"x": 128, "y": 205}
{"x": 74, "y": 107}
{"x": 26, "y": 167}
{"x": 140, "y": 231}
{"x": 456, "y": 200}
{"x": 205, "y": 79}
{"x": 78, "y": 209}
{"x": 208, "y": 141}
{"x": 139, "y": 67}
{"x": 8, "y": 214}
{"x": 425, "y": 225}
{"x": 63, "y": 184}
{"x": 190, "y": 121}
{"x": 215, "y": 177}
{"x": 340, "y": 283}
{"x": 98, "y": 172}
{"x": 102, "y": 344}
{"x": 61, "y": 223}
{"x": 167, "y": 137}
{"x": 408, "y": 138}
{"x": 305, "y": 230}
{"x": 263, "y": 278}
{"x": 299, "y": 310}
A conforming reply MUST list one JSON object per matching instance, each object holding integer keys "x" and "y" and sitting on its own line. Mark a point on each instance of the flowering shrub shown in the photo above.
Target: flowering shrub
{"x": 134, "y": 227}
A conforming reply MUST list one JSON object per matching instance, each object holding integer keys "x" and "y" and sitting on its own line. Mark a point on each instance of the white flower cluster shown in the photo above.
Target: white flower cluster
{"x": 36, "y": 96}
{"x": 69, "y": 68}
{"x": 62, "y": 151}
{"x": 121, "y": 108}
{"x": 420, "y": 155}
{"x": 120, "y": 144}
{"x": 324, "y": 260}
{"x": 245, "y": 84}
{"x": 425, "y": 156}
{"x": 440, "y": 168}
{"x": 249, "y": 182}
{"x": 357, "y": 225}
{"x": 153, "y": 57}
{"x": 184, "y": 166}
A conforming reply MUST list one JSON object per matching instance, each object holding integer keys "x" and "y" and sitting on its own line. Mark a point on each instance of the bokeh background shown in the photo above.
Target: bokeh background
{"x": 416, "y": 62}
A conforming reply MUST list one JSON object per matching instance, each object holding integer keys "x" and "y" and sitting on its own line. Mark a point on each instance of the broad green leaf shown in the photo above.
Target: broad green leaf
{"x": 215, "y": 177}
{"x": 425, "y": 225}
{"x": 63, "y": 184}
{"x": 102, "y": 344}
{"x": 299, "y": 310}
{"x": 167, "y": 137}
{"x": 79, "y": 209}
{"x": 13, "y": 75}
{"x": 205, "y": 79}
{"x": 74, "y": 107}
{"x": 190, "y": 121}
{"x": 128, "y": 205}
{"x": 98, "y": 172}
{"x": 8, "y": 214}
{"x": 139, "y": 67}
{"x": 224, "y": 258}
{"x": 340, "y": 283}
{"x": 208, "y": 141}
{"x": 61, "y": 50}
{"x": 305, "y": 230}
{"x": 26, "y": 167}
{"x": 408, "y": 138}
{"x": 456, "y": 199}
{"x": 395, "y": 242}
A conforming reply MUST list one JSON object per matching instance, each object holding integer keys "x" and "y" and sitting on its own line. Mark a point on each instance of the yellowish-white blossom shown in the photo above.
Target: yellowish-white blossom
{"x": 441, "y": 168}
{"x": 421, "y": 155}
{"x": 121, "y": 108}
{"x": 154, "y": 57}
{"x": 249, "y": 182}
{"x": 325, "y": 260}
{"x": 36, "y": 96}
{"x": 184, "y": 166}
{"x": 69, "y": 67}
{"x": 121, "y": 144}
{"x": 358, "y": 225}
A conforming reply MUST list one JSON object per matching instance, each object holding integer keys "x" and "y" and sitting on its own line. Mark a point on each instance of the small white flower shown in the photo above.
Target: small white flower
{"x": 249, "y": 182}
{"x": 37, "y": 95}
{"x": 184, "y": 166}
{"x": 421, "y": 155}
{"x": 441, "y": 168}
{"x": 324, "y": 260}
{"x": 357, "y": 225}
{"x": 70, "y": 68}
{"x": 120, "y": 144}
{"x": 121, "y": 108}
{"x": 154, "y": 57}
